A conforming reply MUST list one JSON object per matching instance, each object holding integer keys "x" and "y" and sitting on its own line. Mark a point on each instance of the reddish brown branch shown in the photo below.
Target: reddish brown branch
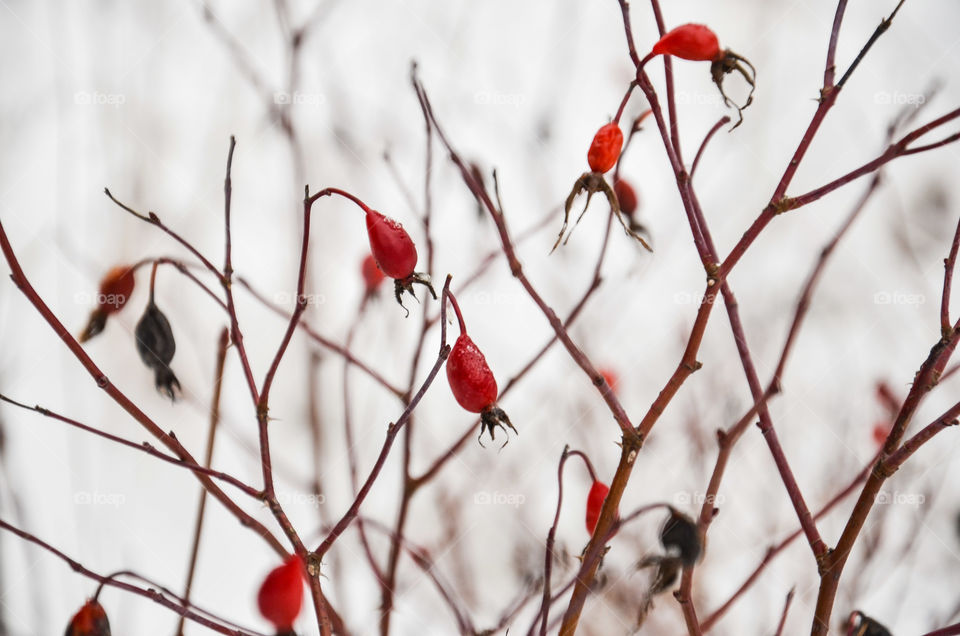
{"x": 149, "y": 593}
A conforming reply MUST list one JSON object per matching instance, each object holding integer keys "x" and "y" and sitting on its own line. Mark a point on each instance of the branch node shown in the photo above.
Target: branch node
{"x": 784, "y": 205}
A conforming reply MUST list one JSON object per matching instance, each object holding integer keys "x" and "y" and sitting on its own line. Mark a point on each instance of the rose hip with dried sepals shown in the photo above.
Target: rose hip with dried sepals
{"x": 698, "y": 43}
{"x": 391, "y": 247}
{"x": 91, "y": 620}
{"x": 603, "y": 154}
{"x": 472, "y": 382}
{"x": 115, "y": 289}
{"x": 280, "y": 597}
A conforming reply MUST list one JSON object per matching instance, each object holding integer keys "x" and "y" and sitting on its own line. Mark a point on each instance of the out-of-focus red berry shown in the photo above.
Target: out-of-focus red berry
{"x": 610, "y": 377}
{"x": 598, "y": 492}
{"x": 372, "y": 275}
{"x": 281, "y": 594}
{"x": 91, "y": 620}
{"x": 115, "y": 289}
{"x": 626, "y": 196}
{"x": 880, "y": 432}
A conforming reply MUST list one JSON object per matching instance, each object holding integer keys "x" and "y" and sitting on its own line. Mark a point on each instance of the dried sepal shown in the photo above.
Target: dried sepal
{"x": 494, "y": 417}
{"x": 401, "y": 285}
{"x": 729, "y": 63}
{"x": 156, "y": 346}
{"x": 95, "y": 325}
{"x": 859, "y": 624}
{"x": 592, "y": 182}
{"x": 666, "y": 573}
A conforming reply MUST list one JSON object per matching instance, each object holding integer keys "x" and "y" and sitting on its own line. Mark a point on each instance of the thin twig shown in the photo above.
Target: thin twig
{"x": 208, "y": 459}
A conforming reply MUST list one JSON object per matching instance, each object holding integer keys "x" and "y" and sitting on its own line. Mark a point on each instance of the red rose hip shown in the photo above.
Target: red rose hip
{"x": 281, "y": 594}
{"x": 689, "y": 42}
{"x": 595, "y": 499}
{"x": 471, "y": 380}
{"x": 91, "y": 620}
{"x": 605, "y": 148}
{"x": 392, "y": 247}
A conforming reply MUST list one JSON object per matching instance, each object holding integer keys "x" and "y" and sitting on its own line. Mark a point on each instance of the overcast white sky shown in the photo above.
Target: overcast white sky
{"x": 142, "y": 97}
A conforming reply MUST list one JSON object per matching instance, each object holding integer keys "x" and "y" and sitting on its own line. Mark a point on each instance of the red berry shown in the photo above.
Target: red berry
{"x": 880, "y": 432}
{"x": 116, "y": 286}
{"x": 598, "y": 492}
{"x": 372, "y": 276}
{"x": 626, "y": 196}
{"x": 392, "y": 247}
{"x": 690, "y": 42}
{"x": 281, "y": 595}
{"x": 115, "y": 289}
{"x": 888, "y": 398}
{"x": 605, "y": 148}
{"x": 611, "y": 378}
{"x": 91, "y": 620}
{"x": 470, "y": 378}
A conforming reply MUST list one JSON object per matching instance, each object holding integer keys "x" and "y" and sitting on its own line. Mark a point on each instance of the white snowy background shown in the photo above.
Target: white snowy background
{"x": 142, "y": 97}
